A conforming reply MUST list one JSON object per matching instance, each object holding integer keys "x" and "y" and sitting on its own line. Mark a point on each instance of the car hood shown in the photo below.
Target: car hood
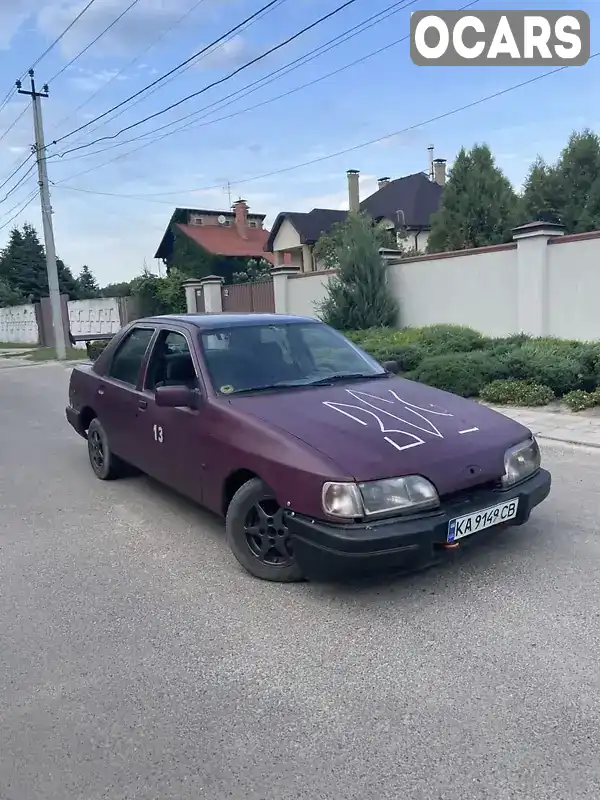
{"x": 390, "y": 427}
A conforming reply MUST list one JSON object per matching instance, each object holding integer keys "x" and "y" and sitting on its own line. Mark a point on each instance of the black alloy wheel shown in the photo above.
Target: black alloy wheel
{"x": 258, "y": 536}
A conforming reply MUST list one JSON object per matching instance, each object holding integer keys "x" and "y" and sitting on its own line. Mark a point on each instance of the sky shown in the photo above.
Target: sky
{"x": 112, "y": 200}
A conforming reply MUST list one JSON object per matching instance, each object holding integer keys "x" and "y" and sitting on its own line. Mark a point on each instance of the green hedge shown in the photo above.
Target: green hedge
{"x": 95, "y": 348}
{"x": 463, "y": 361}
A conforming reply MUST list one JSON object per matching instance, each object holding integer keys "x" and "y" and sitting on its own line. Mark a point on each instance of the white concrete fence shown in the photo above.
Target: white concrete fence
{"x": 543, "y": 283}
{"x": 21, "y": 325}
{"x": 102, "y": 315}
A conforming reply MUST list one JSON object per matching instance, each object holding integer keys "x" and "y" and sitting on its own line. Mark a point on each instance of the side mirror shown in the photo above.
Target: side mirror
{"x": 391, "y": 366}
{"x": 175, "y": 397}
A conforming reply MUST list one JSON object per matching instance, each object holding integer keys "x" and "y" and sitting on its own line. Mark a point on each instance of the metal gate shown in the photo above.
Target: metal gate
{"x": 256, "y": 296}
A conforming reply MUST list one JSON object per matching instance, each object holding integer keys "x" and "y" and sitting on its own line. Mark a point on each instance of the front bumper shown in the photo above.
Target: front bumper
{"x": 323, "y": 549}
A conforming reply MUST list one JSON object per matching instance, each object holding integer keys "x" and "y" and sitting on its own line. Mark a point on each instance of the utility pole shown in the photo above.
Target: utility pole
{"x": 40, "y": 153}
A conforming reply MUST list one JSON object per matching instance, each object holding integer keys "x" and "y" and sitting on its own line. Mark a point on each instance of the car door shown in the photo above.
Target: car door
{"x": 171, "y": 438}
{"x": 119, "y": 395}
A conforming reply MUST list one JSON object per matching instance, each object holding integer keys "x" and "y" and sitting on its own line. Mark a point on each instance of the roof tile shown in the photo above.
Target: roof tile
{"x": 224, "y": 241}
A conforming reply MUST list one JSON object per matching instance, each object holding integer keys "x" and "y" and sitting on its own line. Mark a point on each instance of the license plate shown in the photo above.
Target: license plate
{"x": 472, "y": 523}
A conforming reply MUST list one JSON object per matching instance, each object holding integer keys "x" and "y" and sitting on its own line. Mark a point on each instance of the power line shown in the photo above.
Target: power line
{"x": 165, "y": 75}
{"x": 133, "y": 61}
{"x": 21, "y": 180}
{"x": 345, "y": 151}
{"x": 11, "y": 93}
{"x": 96, "y": 39}
{"x": 193, "y": 125}
{"x": 218, "y": 82}
{"x": 14, "y": 172}
{"x": 193, "y": 63}
{"x": 62, "y": 35}
{"x": 301, "y": 61}
{"x": 10, "y": 127}
{"x": 27, "y": 203}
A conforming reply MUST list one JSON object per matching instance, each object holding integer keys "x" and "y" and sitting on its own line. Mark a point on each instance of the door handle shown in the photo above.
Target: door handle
{"x": 143, "y": 404}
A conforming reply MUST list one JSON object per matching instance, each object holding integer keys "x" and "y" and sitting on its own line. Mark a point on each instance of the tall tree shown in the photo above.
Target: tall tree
{"x": 358, "y": 296}
{"x": 87, "y": 285}
{"x": 479, "y": 205}
{"x": 578, "y": 169}
{"x": 541, "y": 198}
{"x": 566, "y": 191}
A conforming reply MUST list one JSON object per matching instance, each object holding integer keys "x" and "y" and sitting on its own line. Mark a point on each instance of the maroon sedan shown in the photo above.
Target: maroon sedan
{"x": 320, "y": 459}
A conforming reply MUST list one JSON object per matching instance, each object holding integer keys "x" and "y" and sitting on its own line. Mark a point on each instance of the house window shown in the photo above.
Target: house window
{"x": 252, "y": 224}
{"x": 197, "y": 221}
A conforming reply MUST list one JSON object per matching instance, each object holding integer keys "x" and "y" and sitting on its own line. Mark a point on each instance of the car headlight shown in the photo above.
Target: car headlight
{"x": 407, "y": 494}
{"x": 520, "y": 462}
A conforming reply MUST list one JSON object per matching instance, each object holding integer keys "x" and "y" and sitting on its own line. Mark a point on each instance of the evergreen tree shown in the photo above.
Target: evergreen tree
{"x": 87, "y": 285}
{"x": 578, "y": 169}
{"x": 24, "y": 263}
{"x": 567, "y": 191}
{"x": 479, "y": 206}
{"x": 66, "y": 281}
{"x": 357, "y": 297}
{"x": 541, "y": 196}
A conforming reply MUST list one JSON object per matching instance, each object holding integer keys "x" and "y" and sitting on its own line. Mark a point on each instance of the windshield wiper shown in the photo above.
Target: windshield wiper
{"x": 266, "y": 387}
{"x": 347, "y": 376}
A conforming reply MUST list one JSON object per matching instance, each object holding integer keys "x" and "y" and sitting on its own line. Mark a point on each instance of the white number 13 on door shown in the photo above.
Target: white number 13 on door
{"x": 158, "y": 433}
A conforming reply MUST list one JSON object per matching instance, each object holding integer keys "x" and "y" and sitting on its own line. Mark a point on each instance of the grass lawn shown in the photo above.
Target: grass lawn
{"x": 16, "y": 346}
{"x": 44, "y": 354}
{"x": 49, "y": 354}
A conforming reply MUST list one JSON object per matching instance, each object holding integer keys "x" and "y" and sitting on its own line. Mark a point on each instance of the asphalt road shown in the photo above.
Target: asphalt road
{"x": 138, "y": 661}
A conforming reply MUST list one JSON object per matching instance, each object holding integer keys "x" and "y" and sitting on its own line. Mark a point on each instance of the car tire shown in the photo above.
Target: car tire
{"x": 257, "y": 535}
{"x": 106, "y": 465}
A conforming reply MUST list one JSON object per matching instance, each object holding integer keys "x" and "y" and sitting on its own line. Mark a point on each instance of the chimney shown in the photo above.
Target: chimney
{"x": 430, "y": 151}
{"x": 439, "y": 171}
{"x": 381, "y": 182}
{"x": 353, "y": 190}
{"x": 240, "y": 208}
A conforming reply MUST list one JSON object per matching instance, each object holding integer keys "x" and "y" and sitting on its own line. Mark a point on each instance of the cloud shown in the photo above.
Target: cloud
{"x": 146, "y": 21}
{"x": 90, "y": 81}
{"x": 231, "y": 53}
{"x": 13, "y": 17}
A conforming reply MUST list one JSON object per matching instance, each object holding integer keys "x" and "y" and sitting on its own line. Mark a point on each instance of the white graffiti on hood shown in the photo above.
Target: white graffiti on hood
{"x": 391, "y": 434}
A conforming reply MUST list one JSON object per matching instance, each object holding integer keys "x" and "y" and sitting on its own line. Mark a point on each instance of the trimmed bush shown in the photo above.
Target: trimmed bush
{"x": 464, "y": 374}
{"x": 95, "y": 348}
{"x": 517, "y": 393}
{"x": 562, "y": 373}
{"x": 445, "y": 339}
{"x": 579, "y": 400}
{"x": 562, "y": 365}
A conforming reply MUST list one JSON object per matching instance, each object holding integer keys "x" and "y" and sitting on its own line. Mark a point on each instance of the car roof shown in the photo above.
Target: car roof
{"x": 229, "y": 320}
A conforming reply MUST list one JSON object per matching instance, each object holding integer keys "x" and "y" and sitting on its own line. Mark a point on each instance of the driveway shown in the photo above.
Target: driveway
{"x": 137, "y": 660}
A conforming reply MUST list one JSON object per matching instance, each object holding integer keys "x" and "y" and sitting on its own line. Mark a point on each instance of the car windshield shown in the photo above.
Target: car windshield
{"x": 246, "y": 358}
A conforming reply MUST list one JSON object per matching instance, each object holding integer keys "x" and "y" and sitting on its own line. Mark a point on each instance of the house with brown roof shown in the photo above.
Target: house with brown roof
{"x": 403, "y": 206}
{"x": 208, "y": 242}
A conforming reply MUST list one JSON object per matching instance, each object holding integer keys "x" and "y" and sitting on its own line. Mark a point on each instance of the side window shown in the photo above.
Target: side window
{"x": 171, "y": 363}
{"x": 128, "y": 359}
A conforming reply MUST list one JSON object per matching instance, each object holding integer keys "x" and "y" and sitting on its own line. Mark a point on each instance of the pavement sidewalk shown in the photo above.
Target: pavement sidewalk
{"x": 557, "y": 424}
